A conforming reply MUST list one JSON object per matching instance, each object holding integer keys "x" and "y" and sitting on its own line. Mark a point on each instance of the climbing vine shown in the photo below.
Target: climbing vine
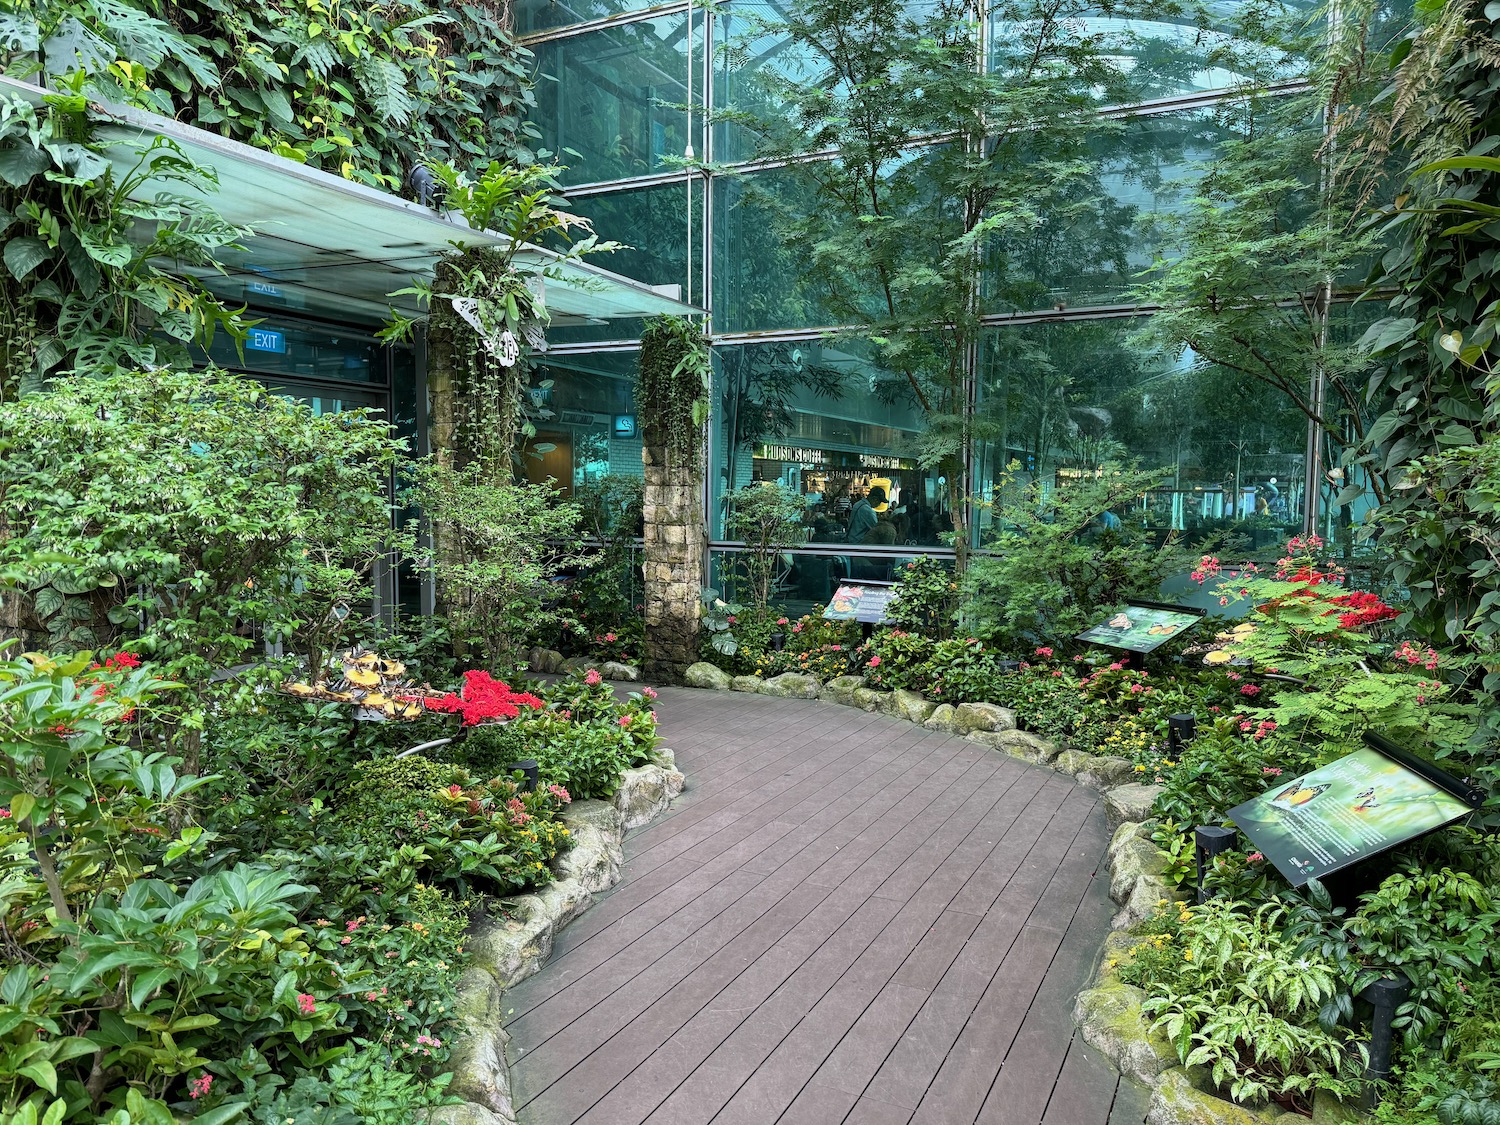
{"x": 84, "y": 285}
{"x": 367, "y": 91}
{"x": 672, "y": 388}
{"x": 485, "y": 319}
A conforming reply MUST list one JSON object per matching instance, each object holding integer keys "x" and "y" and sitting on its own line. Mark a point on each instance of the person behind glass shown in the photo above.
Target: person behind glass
{"x": 862, "y": 519}
{"x": 1107, "y": 521}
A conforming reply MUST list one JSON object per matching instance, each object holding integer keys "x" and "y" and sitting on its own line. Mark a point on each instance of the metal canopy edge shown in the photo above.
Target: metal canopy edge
{"x": 328, "y": 244}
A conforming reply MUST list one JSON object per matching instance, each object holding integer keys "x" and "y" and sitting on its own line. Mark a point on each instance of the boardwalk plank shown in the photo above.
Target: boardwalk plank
{"x": 845, "y": 919}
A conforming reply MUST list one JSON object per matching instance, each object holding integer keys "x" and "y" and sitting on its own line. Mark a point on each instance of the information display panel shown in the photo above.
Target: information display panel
{"x": 1141, "y": 626}
{"x": 1349, "y": 810}
{"x": 859, "y": 602}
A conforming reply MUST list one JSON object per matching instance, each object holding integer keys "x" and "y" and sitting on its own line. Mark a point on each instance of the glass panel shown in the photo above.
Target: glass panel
{"x": 533, "y": 16}
{"x": 1095, "y": 245}
{"x": 591, "y": 430}
{"x": 817, "y": 418}
{"x": 1068, "y": 398}
{"x": 298, "y": 350}
{"x": 801, "y": 580}
{"x": 655, "y": 224}
{"x": 607, "y": 109}
{"x": 1166, "y": 50}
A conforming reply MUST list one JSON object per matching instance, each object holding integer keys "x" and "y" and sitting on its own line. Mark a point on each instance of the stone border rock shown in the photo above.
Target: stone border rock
{"x": 551, "y": 662}
{"x": 506, "y": 952}
{"x": 1108, "y": 1014}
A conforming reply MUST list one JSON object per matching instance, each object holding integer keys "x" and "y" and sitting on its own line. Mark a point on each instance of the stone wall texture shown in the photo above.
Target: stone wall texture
{"x": 675, "y": 543}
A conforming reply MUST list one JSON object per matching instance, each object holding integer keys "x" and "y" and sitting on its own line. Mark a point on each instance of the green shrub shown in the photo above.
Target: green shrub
{"x": 1052, "y": 566}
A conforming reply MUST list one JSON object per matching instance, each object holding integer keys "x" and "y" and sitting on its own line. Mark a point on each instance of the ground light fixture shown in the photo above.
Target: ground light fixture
{"x": 1210, "y": 840}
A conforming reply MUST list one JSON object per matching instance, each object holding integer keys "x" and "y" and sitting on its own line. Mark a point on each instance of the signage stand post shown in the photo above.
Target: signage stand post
{"x": 1385, "y": 996}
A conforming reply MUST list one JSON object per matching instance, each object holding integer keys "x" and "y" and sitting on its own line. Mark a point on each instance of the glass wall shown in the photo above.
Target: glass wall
{"x": 586, "y": 428}
{"x": 830, "y": 425}
{"x": 610, "y": 102}
{"x": 819, "y": 415}
{"x": 1069, "y": 399}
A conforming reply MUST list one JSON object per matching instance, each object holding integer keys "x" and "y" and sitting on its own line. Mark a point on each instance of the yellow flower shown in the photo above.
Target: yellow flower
{"x": 1187, "y": 954}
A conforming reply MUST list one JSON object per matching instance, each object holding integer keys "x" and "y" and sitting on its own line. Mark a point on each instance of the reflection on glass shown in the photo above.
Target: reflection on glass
{"x": 655, "y": 224}
{"x": 533, "y": 16}
{"x": 607, "y": 110}
{"x": 1097, "y": 239}
{"x": 1063, "y": 401}
{"x": 301, "y": 350}
{"x": 1158, "y": 51}
{"x": 801, "y": 580}
{"x": 587, "y": 426}
{"x": 813, "y": 417}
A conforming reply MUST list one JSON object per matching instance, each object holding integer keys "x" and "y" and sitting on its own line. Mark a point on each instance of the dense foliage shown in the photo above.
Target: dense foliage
{"x": 671, "y": 389}
{"x": 368, "y": 92}
{"x": 196, "y": 516}
{"x": 96, "y": 250}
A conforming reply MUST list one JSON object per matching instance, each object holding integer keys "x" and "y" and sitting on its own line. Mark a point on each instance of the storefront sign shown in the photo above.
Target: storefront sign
{"x": 1141, "y": 626}
{"x": 866, "y": 604}
{"x": 810, "y": 458}
{"x": 1349, "y": 810}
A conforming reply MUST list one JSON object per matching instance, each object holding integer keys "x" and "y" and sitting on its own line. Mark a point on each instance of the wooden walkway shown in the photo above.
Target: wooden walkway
{"x": 845, "y": 918}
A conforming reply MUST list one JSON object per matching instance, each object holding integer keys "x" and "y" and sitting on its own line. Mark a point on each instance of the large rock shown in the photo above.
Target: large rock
{"x": 594, "y": 857}
{"x": 706, "y": 675}
{"x": 791, "y": 685}
{"x": 1146, "y": 896}
{"x": 841, "y": 689}
{"x": 941, "y": 718}
{"x": 911, "y": 706}
{"x": 1176, "y": 1101}
{"x": 868, "y": 699}
{"x": 1072, "y": 762}
{"x": 1328, "y": 1110}
{"x": 579, "y": 664}
{"x": 747, "y": 683}
{"x": 645, "y": 793}
{"x": 480, "y": 1075}
{"x": 1130, "y": 802}
{"x": 614, "y": 670}
{"x": 982, "y": 716}
{"x": 1103, "y": 773}
{"x": 467, "y": 1113}
{"x": 1016, "y": 743}
{"x": 1135, "y": 860}
{"x": 1110, "y": 1019}
{"x": 1129, "y": 830}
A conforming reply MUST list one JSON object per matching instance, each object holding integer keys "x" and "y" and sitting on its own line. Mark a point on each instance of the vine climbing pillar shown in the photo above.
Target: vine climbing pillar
{"x": 671, "y": 395}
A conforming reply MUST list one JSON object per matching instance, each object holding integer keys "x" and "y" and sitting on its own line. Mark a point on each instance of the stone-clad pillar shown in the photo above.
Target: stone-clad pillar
{"x": 675, "y": 542}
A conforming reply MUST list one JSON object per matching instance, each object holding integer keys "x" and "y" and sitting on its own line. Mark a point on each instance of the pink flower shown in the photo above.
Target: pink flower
{"x": 781, "y": 621}
{"x": 1255, "y": 857}
{"x": 1249, "y": 689}
{"x": 874, "y": 662}
{"x": 593, "y": 677}
{"x": 1135, "y": 688}
{"x": 1271, "y": 771}
{"x": 345, "y": 940}
{"x": 559, "y": 792}
{"x": 1057, "y": 675}
{"x": 1044, "y": 652}
{"x": 199, "y": 1086}
{"x": 1116, "y": 667}
{"x": 609, "y": 636}
{"x": 307, "y": 1003}
{"x": 649, "y": 693}
{"x": 624, "y": 720}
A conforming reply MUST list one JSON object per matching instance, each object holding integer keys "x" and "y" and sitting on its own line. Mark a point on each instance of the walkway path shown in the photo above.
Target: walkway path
{"x": 846, "y": 918}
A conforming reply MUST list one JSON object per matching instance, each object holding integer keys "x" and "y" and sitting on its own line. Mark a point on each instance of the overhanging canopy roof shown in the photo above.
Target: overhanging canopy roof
{"x": 337, "y": 247}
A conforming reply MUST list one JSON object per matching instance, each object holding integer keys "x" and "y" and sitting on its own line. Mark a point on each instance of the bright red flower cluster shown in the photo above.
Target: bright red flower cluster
{"x": 1361, "y": 609}
{"x": 483, "y": 698}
